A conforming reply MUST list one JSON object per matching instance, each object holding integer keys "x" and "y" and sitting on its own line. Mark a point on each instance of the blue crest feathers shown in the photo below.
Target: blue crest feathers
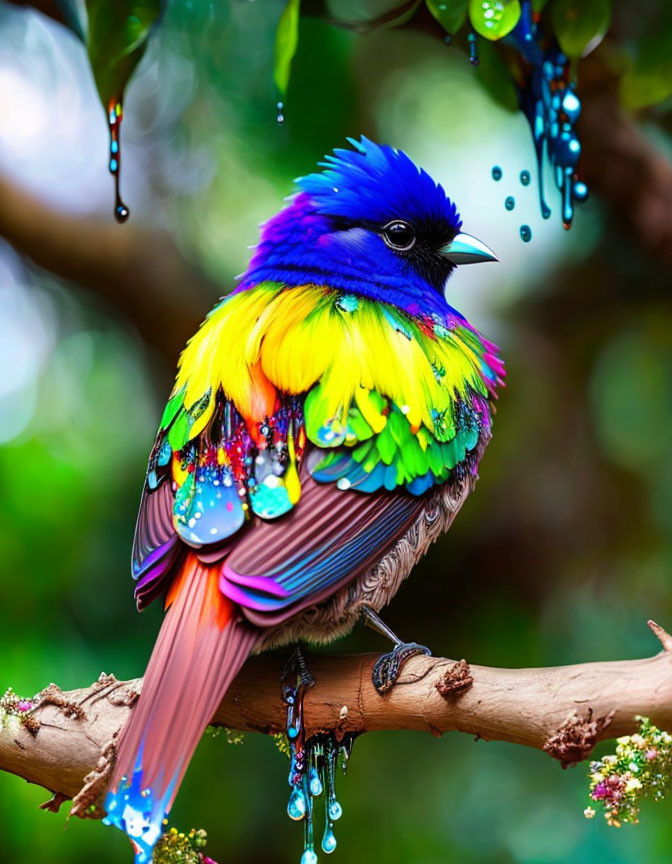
{"x": 377, "y": 183}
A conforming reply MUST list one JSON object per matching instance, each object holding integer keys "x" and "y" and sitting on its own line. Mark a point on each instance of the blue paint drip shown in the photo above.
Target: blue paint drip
{"x": 525, "y": 233}
{"x": 496, "y": 173}
{"x": 510, "y": 202}
{"x": 133, "y": 810}
{"x": 549, "y": 101}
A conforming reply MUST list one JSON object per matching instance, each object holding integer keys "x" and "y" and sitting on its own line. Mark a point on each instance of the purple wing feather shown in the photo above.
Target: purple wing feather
{"x": 332, "y": 536}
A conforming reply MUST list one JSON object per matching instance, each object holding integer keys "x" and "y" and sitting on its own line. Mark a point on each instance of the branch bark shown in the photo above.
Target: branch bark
{"x": 64, "y": 741}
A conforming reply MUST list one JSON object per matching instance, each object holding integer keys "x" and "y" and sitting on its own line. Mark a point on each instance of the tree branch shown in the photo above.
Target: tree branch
{"x": 138, "y": 271}
{"x": 65, "y": 740}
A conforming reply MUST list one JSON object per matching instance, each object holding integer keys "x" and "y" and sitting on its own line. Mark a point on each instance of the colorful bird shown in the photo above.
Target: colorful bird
{"x": 325, "y": 427}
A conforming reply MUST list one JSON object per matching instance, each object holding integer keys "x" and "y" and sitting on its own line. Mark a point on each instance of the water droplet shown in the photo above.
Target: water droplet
{"x": 328, "y": 840}
{"x": 525, "y": 178}
{"x": 580, "y": 191}
{"x": 448, "y": 39}
{"x": 296, "y": 807}
{"x": 472, "y": 38}
{"x": 280, "y": 117}
{"x": 315, "y": 783}
{"x": 525, "y": 233}
{"x": 114, "y": 117}
{"x": 335, "y": 811}
{"x": 510, "y": 202}
{"x": 309, "y": 857}
{"x": 496, "y": 173}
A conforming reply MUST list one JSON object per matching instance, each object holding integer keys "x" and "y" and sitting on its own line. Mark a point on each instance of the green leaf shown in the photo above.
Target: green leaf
{"x": 648, "y": 80}
{"x": 116, "y": 40}
{"x": 405, "y": 14}
{"x": 368, "y": 15}
{"x": 495, "y": 77}
{"x": 494, "y": 18}
{"x": 451, "y": 14}
{"x": 580, "y": 25}
{"x": 73, "y": 15}
{"x": 286, "y": 42}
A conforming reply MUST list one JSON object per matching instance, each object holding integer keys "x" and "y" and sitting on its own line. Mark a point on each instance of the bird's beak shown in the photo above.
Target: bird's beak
{"x": 465, "y": 249}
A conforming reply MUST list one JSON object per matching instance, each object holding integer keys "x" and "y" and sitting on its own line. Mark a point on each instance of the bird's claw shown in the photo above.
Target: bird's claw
{"x": 296, "y": 667}
{"x": 388, "y": 666}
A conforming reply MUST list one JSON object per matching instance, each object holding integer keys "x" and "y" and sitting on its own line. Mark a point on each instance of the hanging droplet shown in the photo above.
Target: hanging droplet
{"x": 525, "y": 233}
{"x": 525, "y": 178}
{"x": 280, "y": 115}
{"x": 496, "y": 173}
{"x": 309, "y": 857}
{"x": 335, "y": 810}
{"x": 510, "y": 202}
{"x": 329, "y": 839}
{"x": 296, "y": 808}
{"x": 114, "y": 117}
{"x": 448, "y": 39}
{"x": 548, "y": 98}
{"x": 472, "y": 38}
{"x": 315, "y": 783}
{"x": 580, "y": 191}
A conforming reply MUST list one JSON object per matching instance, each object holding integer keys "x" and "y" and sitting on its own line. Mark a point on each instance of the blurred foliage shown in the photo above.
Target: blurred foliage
{"x": 561, "y": 555}
{"x": 116, "y": 33}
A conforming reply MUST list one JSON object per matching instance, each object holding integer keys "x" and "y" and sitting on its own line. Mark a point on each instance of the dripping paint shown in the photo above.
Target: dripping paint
{"x": 115, "y": 115}
{"x": 547, "y": 96}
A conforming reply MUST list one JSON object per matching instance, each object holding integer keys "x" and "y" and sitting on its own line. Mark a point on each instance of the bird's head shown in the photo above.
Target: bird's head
{"x": 370, "y": 223}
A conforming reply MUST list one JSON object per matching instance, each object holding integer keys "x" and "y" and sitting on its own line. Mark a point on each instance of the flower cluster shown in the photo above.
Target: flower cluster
{"x": 13, "y": 704}
{"x": 176, "y": 847}
{"x": 640, "y": 768}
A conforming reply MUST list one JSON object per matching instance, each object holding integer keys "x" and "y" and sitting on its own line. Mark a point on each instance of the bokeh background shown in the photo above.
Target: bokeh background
{"x": 561, "y": 555}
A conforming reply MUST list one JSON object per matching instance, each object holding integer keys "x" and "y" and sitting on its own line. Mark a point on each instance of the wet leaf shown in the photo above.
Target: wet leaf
{"x": 286, "y": 42}
{"x": 493, "y": 19}
{"x": 580, "y": 25}
{"x": 451, "y": 14}
{"x": 116, "y": 40}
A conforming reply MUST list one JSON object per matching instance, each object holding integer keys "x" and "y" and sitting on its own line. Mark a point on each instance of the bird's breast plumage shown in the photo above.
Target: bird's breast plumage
{"x": 344, "y": 409}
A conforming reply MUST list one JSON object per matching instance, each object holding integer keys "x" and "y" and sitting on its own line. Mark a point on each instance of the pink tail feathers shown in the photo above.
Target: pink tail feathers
{"x": 199, "y": 651}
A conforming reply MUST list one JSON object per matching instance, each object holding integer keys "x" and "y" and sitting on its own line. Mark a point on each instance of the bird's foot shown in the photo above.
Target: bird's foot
{"x": 296, "y": 668}
{"x": 387, "y": 668}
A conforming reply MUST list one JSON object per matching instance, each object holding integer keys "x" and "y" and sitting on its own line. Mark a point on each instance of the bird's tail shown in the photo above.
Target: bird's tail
{"x": 199, "y": 650}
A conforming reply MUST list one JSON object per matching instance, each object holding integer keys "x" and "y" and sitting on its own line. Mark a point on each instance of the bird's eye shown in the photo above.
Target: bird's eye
{"x": 399, "y": 235}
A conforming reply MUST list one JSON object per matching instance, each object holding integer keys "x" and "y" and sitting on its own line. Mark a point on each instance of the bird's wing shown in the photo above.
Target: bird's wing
{"x": 286, "y": 401}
